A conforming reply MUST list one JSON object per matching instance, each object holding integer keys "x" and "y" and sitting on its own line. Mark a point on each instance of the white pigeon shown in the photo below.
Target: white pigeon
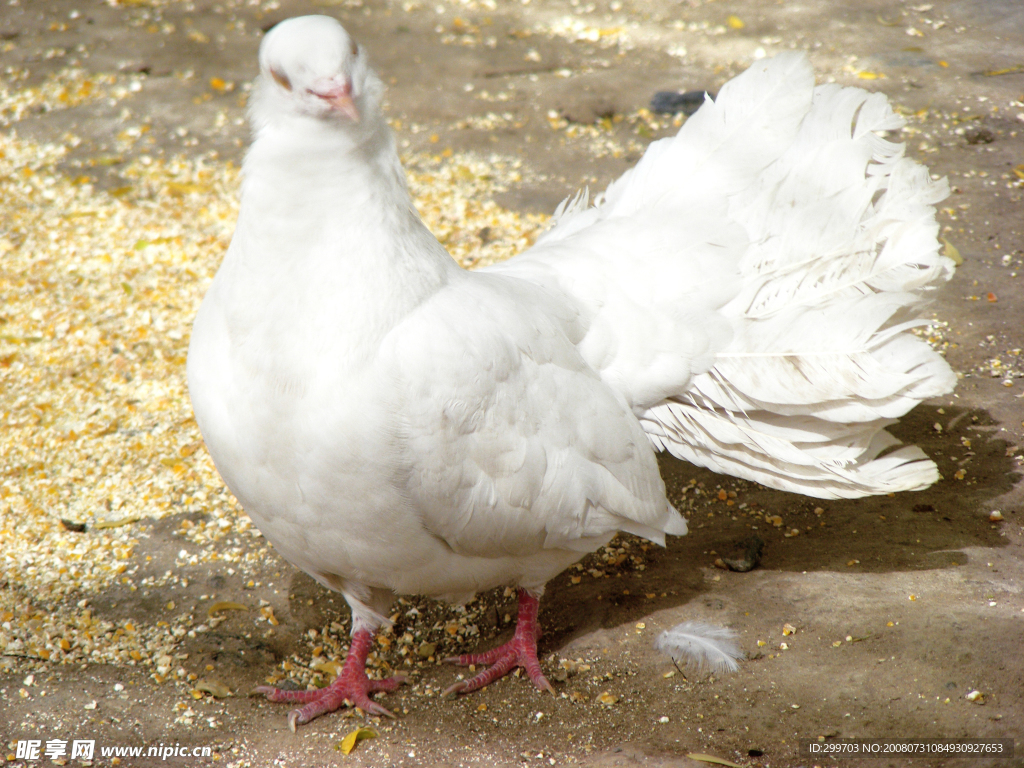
{"x": 395, "y": 425}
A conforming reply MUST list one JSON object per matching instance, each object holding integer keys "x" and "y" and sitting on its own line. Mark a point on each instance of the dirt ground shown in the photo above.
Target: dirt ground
{"x": 902, "y": 606}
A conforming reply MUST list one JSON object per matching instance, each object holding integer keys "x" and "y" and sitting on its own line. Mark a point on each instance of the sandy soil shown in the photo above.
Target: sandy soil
{"x": 902, "y": 606}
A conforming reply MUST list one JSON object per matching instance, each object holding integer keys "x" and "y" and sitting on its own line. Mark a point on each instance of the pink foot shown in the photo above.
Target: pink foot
{"x": 351, "y": 687}
{"x": 520, "y": 651}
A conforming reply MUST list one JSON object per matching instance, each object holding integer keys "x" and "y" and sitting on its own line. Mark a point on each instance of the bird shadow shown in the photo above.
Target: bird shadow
{"x": 914, "y": 531}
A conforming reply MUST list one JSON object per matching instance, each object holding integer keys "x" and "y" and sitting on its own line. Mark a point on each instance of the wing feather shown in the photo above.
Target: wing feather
{"x": 514, "y": 444}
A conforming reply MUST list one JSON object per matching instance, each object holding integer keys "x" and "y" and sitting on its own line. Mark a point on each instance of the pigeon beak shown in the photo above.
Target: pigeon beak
{"x": 339, "y": 96}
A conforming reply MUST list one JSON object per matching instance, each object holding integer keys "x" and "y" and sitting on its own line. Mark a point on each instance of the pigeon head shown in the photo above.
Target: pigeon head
{"x": 311, "y": 67}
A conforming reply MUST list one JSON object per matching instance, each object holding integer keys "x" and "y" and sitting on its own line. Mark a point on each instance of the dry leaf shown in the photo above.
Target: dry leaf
{"x": 346, "y": 745}
{"x": 225, "y": 605}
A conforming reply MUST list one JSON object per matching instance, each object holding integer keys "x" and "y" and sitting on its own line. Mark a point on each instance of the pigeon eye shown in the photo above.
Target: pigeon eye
{"x": 281, "y": 79}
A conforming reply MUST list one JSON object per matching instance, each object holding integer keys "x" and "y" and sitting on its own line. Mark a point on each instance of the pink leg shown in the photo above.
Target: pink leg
{"x": 351, "y": 687}
{"x": 520, "y": 651}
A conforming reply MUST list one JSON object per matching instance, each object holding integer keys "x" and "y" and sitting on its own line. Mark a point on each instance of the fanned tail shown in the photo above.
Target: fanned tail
{"x": 751, "y": 287}
{"x": 843, "y": 242}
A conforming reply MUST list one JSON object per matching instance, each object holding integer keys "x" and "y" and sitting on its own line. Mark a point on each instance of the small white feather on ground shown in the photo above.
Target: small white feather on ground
{"x": 701, "y": 647}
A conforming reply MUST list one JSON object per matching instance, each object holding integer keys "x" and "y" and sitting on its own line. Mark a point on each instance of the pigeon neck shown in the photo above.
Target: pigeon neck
{"x": 309, "y": 159}
{"x": 306, "y": 181}
{"x": 330, "y": 220}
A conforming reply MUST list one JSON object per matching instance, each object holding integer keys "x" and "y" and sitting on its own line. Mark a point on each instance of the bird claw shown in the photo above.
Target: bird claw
{"x": 520, "y": 651}
{"x": 502, "y": 660}
{"x": 400, "y": 678}
{"x": 376, "y": 709}
{"x": 328, "y": 699}
{"x": 454, "y": 689}
{"x": 351, "y": 688}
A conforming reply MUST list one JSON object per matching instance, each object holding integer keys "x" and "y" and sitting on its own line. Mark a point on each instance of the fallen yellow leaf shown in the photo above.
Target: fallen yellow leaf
{"x": 225, "y": 605}
{"x": 349, "y": 742}
{"x": 735, "y": 22}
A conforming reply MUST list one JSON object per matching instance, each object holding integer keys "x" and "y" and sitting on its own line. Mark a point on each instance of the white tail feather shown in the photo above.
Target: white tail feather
{"x": 750, "y": 287}
{"x": 700, "y": 646}
{"x": 843, "y": 237}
